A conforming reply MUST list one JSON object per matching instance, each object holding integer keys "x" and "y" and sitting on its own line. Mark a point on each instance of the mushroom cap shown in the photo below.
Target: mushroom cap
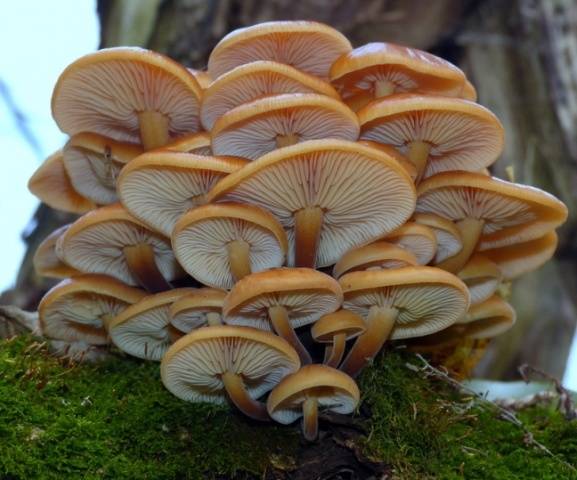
{"x": 512, "y": 213}
{"x": 93, "y": 163}
{"x": 196, "y": 143}
{"x": 408, "y": 69}
{"x": 463, "y": 135}
{"x": 94, "y": 244}
{"x": 469, "y": 92}
{"x": 142, "y": 330}
{"x": 308, "y": 46}
{"x": 254, "y": 80}
{"x": 333, "y": 389}
{"x": 189, "y": 311}
{"x": 482, "y": 277}
{"x": 75, "y": 308}
{"x": 428, "y": 299}
{"x": 306, "y": 294}
{"x": 418, "y": 239}
{"x": 46, "y": 262}
{"x": 339, "y": 322}
{"x": 449, "y": 241}
{"x": 488, "y": 319}
{"x": 201, "y": 237}
{"x": 202, "y": 77}
{"x": 193, "y": 366}
{"x": 102, "y": 92}
{"x": 374, "y": 256}
{"x": 251, "y": 129}
{"x": 51, "y": 184}
{"x": 158, "y": 187}
{"x": 364, "y": 194}
{"x": 521, "y": 258}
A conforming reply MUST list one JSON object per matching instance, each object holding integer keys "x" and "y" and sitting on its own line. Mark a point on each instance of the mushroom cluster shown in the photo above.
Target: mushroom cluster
{"x": 264, "y": 227}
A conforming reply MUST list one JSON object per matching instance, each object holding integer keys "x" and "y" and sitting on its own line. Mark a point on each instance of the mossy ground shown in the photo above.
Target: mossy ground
{"x": 115, "y": 420}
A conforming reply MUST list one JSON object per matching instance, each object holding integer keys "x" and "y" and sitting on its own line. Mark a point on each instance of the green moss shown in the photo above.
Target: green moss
{"x": 115, "y": 420}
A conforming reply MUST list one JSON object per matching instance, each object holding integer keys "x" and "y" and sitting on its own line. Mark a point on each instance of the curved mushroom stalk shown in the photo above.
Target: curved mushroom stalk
{"x": 237, "y": 393}
{"x": 470, "y": 229}
{"x": 142, "y": 264}
{"x": 308, "y": 223}
{"x": 281, "y": 325}
{"x": 153, "y": 129}
{"x": 310, "y": 418}
{"x": 419, "y": 154}
{"x": 334, "y": 353}
{"x": 380, "y": 323}
{"x": 239, "y": 258}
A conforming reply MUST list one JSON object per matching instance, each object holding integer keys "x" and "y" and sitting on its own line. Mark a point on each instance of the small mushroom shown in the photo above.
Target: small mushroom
{"x": 281, "y": 300}
{"x": 418, "y": 239}
{"x": 482, "y": 277}
{"x": 217, "y": 363}
{"x": 313, "y": 387}
{"x": 47, "y": 263}
{"x": 199, "y": 308}
{"x": 336, "y": 329}
{"x": 449, "y": 241}
{"x": 220, "y": 244}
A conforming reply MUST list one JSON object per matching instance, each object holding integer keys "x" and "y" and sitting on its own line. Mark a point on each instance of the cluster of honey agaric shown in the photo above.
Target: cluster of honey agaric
{"x": 296, "y": 183}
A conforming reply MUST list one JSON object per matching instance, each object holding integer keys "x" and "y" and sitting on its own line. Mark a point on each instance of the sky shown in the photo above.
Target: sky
{"x": 34, "y": 49}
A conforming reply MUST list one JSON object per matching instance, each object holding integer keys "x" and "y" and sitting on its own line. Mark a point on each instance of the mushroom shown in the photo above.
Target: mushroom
{"x": 482, "y": 277}
{"x": 46, "y": 262}
{"x": 307, "y": 46}
{"x": 128, "y": 94}
{"x": 400, "y": 303}
{"x": 196, "y": 143}
{"x": 393, "y": 152}
{"x": 335, "y": 329}
{"x": 159, "y": 187}
{"x": 239, "y": 363}
{"x": 418, "y": 239}
{"x": 52, "y": 185}
{"x": 253, "y": 129}
{"x": 220, "y": 244}
{"x": 448, "y": 237}
{"x": 381, "y": 69}
{"x": 112, "y": 242}
{"x": 93, "y": 163}
{"x": 143, "y": 330}
{"x": 255, "y": 80}
{"x": 488, "y": 212}
{"x": 436, "y": 133}
{"x": 374, "y": 256}
{"x": 199, "y": 308}
{"x": 329, "y": 195}
{"x": 313, "y": 387}
{"x": 80, "y": 309}
{"x": 202, "y": 77}
{"x": 281, "y": 300}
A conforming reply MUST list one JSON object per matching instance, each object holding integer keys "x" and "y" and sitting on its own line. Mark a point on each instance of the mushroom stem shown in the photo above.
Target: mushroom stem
{"x": 213, "y": 319}
{"x": 286, "y": 140}
{"x": 281, "y": 325}
{"x": 384, "y": 88}
{"x": 174, "y": 333}
{"x": 419, "y": 154}
{"x": 237, "y": 393}
{"x": 141, "y": 263}
{"x": 380, "y": 322}
{"x": 337, "y": 350}
{"x": 310, "y": 418}
{"x": 153, "y": 129}
{"x": 308, "y": 223}
{"x": 239, "y": 258}
{"x": 470, "y": 229}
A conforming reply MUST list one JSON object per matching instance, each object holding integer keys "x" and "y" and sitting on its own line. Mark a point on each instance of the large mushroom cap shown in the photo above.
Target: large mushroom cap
{"x": 363, "y": 193}
{"x": 46, "y": 262}
{"x": 208, "y": 242}
{"x": 194, "y": 310}
{"x": 52, "y": 185}
{"x": 306, "y": 294}
{"x": 482, "y": 277}
{"x": 452, "y": 134}
{"x": 142, "y": 330}
{"x": 308, "y": 46}
{"x": 193, "y": 367}
{"x": 385, "y": 68}
{"x": 426, "y": 299}
{"x": 95, "y": 243}
{"x": 80, "y": 308}
{"x": 511, "y": 213}
{"x": 104, "y": 92}
{"x": 263, "y": 125}
{"x": 418, "y": 239}
{"x": 158, "y": 187}
{"x": 93, "y": 163}
{"x": 448, "y": 237}
{"x": 255, "y": 80}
